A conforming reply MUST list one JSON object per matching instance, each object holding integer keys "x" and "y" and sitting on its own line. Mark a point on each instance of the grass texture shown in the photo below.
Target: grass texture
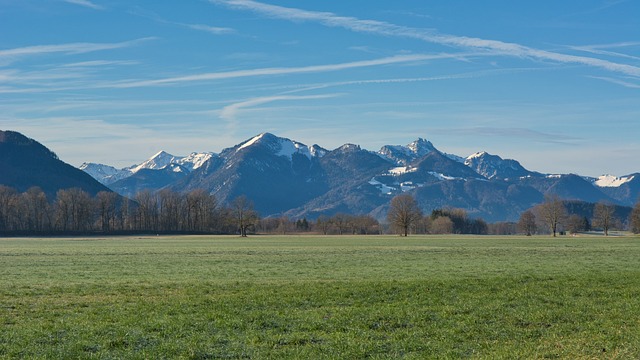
{"x": 315, "y": 297}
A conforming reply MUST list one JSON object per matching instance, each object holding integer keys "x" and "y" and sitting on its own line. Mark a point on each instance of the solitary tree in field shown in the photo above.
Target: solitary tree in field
{"x": 243, "y": 214}
{"x": 527, "y": 223}
{"x": 604, "y": 217}
{"x": 403, "y": 213}
{"x": 553, "y": 212}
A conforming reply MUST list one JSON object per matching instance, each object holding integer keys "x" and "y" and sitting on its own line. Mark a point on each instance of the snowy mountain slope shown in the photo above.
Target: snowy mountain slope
{"x": 108, "y": 175}
{"x": 494, "y": 167}
{"x": 625, "y": 189}
{"x": 403, "y": 155}
{"x": 612, "y": 181}
{"x": 281, "y": 146}
{"x": 99, "y": 172}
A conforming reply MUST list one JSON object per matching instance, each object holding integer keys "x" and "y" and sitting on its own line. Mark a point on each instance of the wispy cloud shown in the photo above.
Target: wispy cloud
{"x": 283, "y": 71}
{"x": 95, "y": 63}
{"x": 10, "y": 55}
{"x": 210, "y": 29}
{"x": 598, "y": 49}
{"x": 618, "y": 82}
{"x": 229, "y": 113}
{"x": 85, "y": 3}
{"x": 58, "y": 77}
{"x": 388, "y": 29}
{"x": 468, "y": 75}
{"x": 215, "y": 30}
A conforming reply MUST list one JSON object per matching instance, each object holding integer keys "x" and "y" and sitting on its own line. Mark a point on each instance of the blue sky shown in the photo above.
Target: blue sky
{"x": 553, "y": 84}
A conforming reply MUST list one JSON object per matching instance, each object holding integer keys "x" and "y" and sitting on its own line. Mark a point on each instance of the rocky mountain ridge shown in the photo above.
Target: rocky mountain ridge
{"x": 286, "y": 177}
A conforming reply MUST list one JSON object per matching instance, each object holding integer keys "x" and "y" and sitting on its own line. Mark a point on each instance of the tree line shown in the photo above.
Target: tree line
{"x": 405, "y": 217}
{"x": 74, "y": 211}
{"x": 555, "y": 216}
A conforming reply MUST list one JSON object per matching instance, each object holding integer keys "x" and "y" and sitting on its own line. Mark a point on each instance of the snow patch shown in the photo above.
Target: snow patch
{"x": 476, "y": 155}
{"x": 251, "y": 141}
{"x": 387, "y": 190}
{"x": 445, "y": 177}
{"x": 317, "y": 151}
{"x": 612, "y": 181}
{"x": 407, "y": 185}
{"x": 402, "y": 170}
{"x": 195, "y": 160}
{"x": 288, "y": 148}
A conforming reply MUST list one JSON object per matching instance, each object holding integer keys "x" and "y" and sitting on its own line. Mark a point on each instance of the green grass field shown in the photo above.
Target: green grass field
{"x": 320, "y": 297}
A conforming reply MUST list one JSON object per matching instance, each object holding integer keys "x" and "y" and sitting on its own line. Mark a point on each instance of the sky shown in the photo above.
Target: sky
{"x": 552, "y": 84}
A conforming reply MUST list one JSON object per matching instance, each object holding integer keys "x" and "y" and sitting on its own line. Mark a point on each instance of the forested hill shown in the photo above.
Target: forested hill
{"x": 25, "y": 163}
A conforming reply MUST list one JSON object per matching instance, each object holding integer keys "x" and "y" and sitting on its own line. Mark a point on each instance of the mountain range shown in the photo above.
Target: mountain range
{"x": 285, "y": 177}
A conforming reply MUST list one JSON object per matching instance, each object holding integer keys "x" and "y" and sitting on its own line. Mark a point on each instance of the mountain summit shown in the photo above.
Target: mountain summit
{"x": 403, "y": 155}
{"x": 494, "y": 167}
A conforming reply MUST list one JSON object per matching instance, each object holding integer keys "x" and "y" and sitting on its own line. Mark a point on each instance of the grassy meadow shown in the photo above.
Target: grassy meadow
{"x": 314, "y": 297}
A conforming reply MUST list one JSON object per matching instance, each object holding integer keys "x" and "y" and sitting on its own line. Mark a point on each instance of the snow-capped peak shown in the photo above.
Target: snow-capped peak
{"x": 403, "y": 155}
{"x": 421, "y": 147}
{"x": 612, "y": 181}
{"x": 98, "y": 171}
{"x": 493, "y": 166}
{"x": 195, "y": 160}
{"x": 350, "y": 147}
{"x": 157, "y": 161}
{"x": 280, "y": 146}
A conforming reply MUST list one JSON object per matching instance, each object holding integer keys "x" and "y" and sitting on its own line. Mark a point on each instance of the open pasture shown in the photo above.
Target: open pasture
{"x": 315, "y": 297}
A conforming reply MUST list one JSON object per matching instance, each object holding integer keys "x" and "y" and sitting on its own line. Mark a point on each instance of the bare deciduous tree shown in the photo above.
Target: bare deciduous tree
{"x": 553, "y": 212}
{"x": 527, "y": 223}
{"x": 323, "y": 224}
{"x": 107, "y": 203}
{"x": 604, "y": 217}
{"x": 37, "y": 209}
{"x": 403, "y": 213}
{"x": 7, "y": 205}
{"x": 146, "y": 211}
{"x": 243, "y": 214}
{"x": 442, "y": 225}
{"x": 576, "y": 223}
